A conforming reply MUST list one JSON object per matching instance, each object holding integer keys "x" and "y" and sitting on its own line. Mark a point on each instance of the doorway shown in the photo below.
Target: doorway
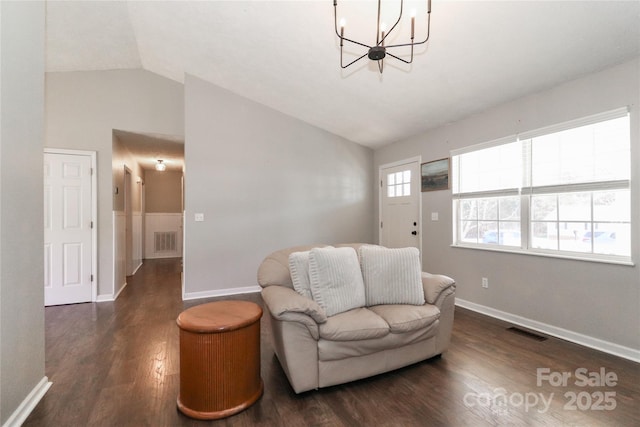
{"x": 400, "y": 208}
{"x": 147, "y": 202}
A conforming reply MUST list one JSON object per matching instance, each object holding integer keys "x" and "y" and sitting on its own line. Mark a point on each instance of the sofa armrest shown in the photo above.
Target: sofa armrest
{"x": 434, "y": 285}
{"x": 286, "y": 304}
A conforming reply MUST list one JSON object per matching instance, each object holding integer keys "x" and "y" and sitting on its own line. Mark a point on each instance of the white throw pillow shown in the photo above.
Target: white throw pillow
{"x": 336, "y": 279}
{"x": 299, "y": 268}
{"x": 391, "y": 276}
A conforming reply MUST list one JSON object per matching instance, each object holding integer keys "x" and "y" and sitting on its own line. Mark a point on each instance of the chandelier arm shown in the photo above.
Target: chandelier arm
{"x": 400, "y": 59}
{"x": 408, "y": 44}
{"x": 394, "y": 25}
{"x": 378, "y": 26}
{"x": 335, "y": 22}
{"x": 335, "y": 17}
{"x": 355, "y": 42}
{"x": 428, "y": 29}
{"x": 350, "y": 63}
{"x": 417, "y": 43}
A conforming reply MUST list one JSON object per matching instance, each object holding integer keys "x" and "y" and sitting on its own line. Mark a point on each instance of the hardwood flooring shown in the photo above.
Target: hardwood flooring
{"x": 117, "y": 364}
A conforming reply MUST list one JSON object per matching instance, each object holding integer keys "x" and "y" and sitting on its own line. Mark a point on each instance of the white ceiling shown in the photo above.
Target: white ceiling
{"x": 285, "y": 54}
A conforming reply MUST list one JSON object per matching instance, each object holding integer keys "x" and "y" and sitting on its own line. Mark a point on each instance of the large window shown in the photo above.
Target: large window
{"x": 562, "y": 190}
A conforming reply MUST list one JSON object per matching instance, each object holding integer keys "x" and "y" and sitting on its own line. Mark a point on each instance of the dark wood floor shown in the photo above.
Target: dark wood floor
{"x": 116, "y": 364}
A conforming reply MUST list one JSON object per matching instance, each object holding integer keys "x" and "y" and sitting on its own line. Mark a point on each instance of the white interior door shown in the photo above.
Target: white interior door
{"x": 67, "y": 229}
{"x": 400, "y": 219}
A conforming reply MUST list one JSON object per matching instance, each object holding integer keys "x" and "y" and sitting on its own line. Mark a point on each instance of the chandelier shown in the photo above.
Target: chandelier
{"x": 161, "y": 166}
{"x": 380, "y": 50}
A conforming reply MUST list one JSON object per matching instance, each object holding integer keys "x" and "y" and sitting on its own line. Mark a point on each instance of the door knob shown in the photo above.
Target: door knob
{"x": 415, "y": 233}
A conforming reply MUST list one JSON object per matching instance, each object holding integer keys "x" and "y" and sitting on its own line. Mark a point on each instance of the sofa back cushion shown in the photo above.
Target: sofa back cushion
{"x": 391, "y": 276}
{"x": 335, "y": 279}
{"x": 299, "y": 267}
{"x": 274, "y": 269}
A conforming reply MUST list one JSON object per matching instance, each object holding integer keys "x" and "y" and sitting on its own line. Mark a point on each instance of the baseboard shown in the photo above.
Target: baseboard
{"x": 585, "y": 340}
{"x": 135, "y": 270}
{"x": 120, "y": 291}
{"x": 111, "y": 297}
{"x": 28, "y": 404}
{"x": 221, "y": 292}
{"x": 105, "y": 298}
{"x": 170, "y": 255}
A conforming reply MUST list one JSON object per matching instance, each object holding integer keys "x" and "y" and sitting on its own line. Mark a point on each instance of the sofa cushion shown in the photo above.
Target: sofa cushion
{"x": 337, "y": 350}
{"x": 274, "y": 269}
{"x": 391, "y": 276}
{"x": 299, "y": 267}
{"x": 356, "y": 247}
{"x": 354, "y": 325}
{"x": 336, "y": 279}
{"x": 406, "y": 318}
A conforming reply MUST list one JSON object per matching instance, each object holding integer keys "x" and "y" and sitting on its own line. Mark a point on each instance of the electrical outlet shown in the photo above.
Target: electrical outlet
{"x": 485, "y": 282}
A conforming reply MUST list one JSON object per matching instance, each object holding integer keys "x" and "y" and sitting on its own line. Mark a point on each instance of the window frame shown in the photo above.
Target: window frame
{"x": 404, "y": 185}
{"x": 527, "y": 191}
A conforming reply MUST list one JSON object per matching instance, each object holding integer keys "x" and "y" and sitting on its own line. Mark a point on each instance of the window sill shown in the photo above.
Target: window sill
{"x": 570, "y": 256}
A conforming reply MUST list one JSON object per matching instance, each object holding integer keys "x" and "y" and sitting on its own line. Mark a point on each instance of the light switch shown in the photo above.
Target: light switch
{"x": 434, "y": 216}
{"x": 199, "y": 217}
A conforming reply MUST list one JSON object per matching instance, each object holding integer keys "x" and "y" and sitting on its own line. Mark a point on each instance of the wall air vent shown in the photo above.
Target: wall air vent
{"x": 165, "y": 241}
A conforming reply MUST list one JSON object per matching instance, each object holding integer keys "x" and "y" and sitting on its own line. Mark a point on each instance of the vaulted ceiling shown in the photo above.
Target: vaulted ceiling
{"x": 285, "y": 54}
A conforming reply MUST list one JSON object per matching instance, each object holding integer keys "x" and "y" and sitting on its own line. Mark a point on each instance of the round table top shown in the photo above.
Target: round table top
{"x": 219, "y": 316}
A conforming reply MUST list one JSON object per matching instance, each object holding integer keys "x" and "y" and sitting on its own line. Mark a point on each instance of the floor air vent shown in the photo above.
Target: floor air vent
{"x": 527, "y": 334}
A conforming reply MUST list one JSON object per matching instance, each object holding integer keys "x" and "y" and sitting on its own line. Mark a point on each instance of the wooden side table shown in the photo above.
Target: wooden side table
{"x": 219, "y": 359}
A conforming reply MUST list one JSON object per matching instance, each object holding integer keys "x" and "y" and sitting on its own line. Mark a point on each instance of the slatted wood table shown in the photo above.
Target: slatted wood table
{"x": 219, "y": 359}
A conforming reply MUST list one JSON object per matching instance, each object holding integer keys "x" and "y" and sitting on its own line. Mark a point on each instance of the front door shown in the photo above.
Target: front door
{"x": 67, "y": 229}
{"x": 400, "y": 204}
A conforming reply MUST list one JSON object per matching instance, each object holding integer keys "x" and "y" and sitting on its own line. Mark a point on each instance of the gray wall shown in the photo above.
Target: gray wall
{"x": 83, "y": 108}
{"x": 163, "y": 192}
{"x": 598, "y": 300}
{"x": 264, "y": 181}
{"x": 21, "y": 202}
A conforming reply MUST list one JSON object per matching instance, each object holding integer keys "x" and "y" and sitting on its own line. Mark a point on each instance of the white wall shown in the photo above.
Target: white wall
{"x": 163, "y": 207}
{"x": 21, "y": 209}
{"x": 162, "y": 222}
{"x": 595, "y": 302}
{"x": 83, "y": 108}
{"x": 263, "y": 181}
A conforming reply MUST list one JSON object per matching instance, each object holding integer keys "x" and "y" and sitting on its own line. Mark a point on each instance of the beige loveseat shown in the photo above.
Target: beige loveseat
{"x": 317, "y": 350}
